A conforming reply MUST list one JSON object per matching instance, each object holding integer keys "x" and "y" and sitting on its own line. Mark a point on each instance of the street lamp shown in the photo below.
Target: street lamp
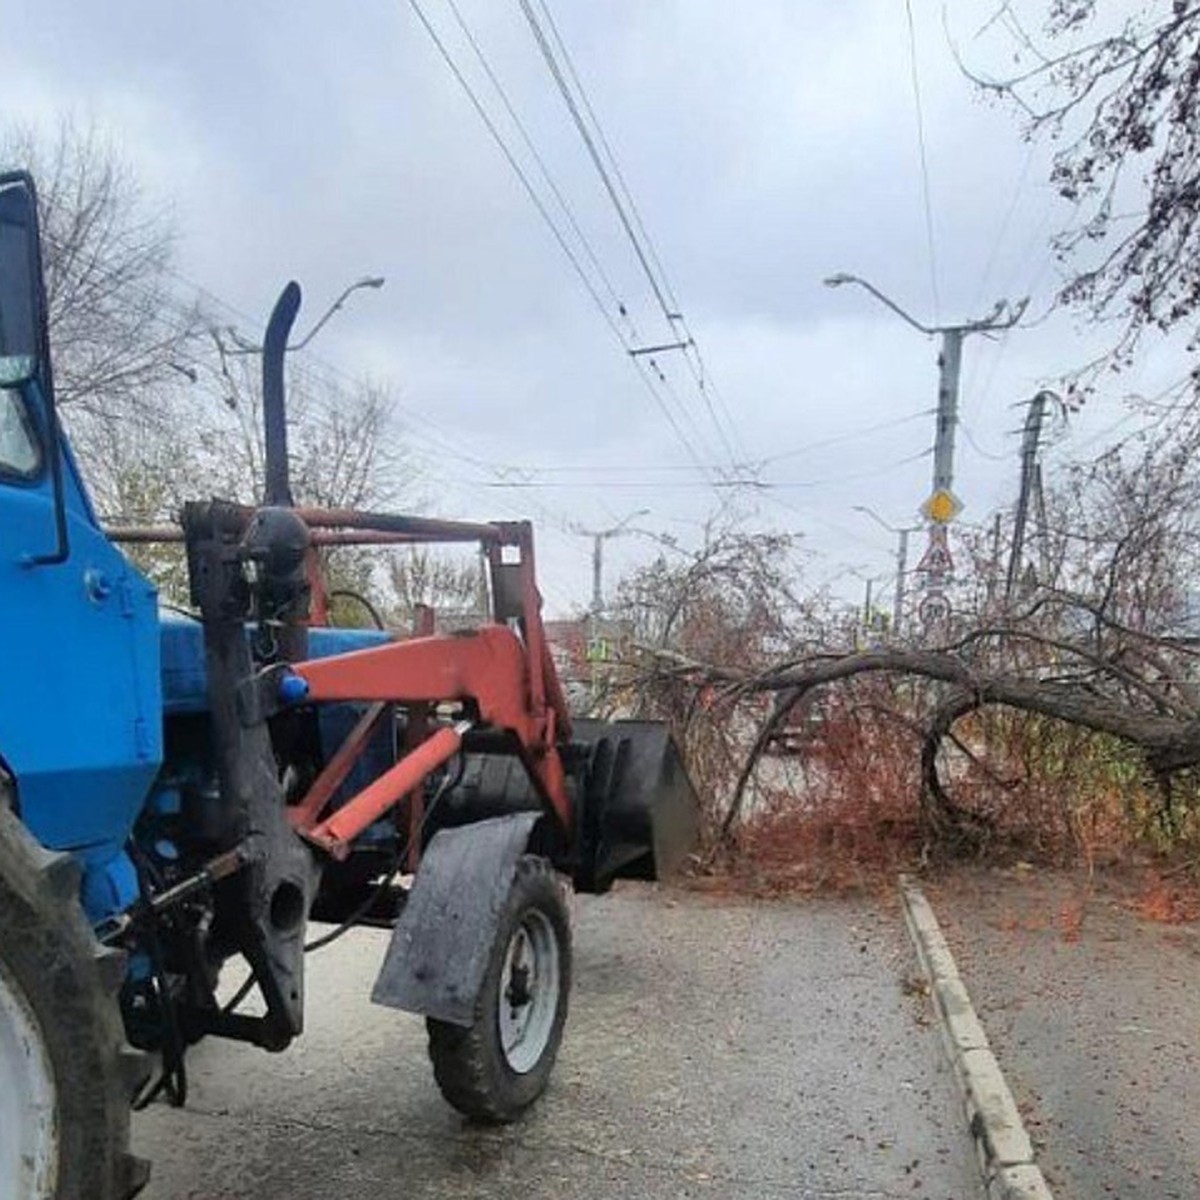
{"x": 599, "y": 537}
{"x": 901, "y": 561}
{"x": 1003, "y": 316}
{"x": 942, "y": 506}
{"x": 367, "y": 281}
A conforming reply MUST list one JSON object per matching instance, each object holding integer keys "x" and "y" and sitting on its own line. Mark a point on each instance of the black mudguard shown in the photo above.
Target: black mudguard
{"x": 440, "y": 947}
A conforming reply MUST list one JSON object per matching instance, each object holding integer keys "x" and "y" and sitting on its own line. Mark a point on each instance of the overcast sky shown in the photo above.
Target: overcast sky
{"x": 767, "y": 144}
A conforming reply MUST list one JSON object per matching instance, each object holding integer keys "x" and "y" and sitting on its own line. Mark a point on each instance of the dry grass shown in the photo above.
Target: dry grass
{"x": 845, "y": 813}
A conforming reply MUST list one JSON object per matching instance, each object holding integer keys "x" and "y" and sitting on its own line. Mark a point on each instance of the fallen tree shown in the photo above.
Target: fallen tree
{"x": 1097, "y": 641}
{"x": 1165, "y": 727}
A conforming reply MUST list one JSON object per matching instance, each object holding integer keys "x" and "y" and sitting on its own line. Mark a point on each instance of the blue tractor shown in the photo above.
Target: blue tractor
{"x": 183, "y": 792}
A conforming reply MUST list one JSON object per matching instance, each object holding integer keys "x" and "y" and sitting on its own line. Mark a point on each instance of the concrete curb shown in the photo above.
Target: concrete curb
{"x": 1005, "y": 1151}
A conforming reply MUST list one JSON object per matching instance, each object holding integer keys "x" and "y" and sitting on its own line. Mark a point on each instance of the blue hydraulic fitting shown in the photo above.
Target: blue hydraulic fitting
{"x": 292, "y": 689}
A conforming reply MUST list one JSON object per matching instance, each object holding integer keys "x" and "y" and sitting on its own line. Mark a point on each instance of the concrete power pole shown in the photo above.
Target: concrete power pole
{"x": 1031, "y": 488}
{"x": 942, "y": 506}
{"x": 902, "y": 533}
{"x": 599, "y": 537}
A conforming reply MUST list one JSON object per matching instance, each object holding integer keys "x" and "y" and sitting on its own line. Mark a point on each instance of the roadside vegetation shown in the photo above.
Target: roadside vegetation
{"x": 1056, "y": 718}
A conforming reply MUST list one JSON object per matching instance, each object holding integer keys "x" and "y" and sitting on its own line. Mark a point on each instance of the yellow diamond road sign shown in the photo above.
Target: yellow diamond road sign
{"x": 942, "y": 507}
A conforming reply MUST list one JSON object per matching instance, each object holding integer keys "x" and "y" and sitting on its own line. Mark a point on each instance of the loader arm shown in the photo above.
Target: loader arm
{"x": 489, "y": 670}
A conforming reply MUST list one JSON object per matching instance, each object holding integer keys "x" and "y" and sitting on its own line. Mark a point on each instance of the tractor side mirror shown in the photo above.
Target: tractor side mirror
{"x": 22, "y": 299}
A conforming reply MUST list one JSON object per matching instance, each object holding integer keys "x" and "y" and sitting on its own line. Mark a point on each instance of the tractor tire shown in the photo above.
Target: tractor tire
{"x": 495, "y": 1069}
{"x": 67, "y": 1076}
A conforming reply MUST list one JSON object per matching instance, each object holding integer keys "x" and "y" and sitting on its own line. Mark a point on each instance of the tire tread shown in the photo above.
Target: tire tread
{"x": 465, "y": 1060}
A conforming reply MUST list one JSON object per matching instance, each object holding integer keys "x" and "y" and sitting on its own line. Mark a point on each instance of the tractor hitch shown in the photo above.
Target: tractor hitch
{"x": 147, "y": 909}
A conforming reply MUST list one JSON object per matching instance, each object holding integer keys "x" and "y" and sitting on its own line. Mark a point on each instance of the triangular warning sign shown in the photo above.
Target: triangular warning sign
{"x": 936, "y": 560}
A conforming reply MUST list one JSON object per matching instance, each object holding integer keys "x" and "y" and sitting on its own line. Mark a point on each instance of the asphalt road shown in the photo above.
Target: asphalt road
{"x": 1092, "y": 1014}
{"x": 714, "y": 1049}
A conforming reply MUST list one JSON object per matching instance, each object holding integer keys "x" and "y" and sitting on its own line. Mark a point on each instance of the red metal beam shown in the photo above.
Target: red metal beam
{"x": 488, "y": 668}
{"x": 334, "y": 773}
{"x": 336, "y": 833}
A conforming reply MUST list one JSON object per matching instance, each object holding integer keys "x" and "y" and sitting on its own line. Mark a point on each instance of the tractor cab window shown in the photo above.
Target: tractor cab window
{"x": 20, "y": 453}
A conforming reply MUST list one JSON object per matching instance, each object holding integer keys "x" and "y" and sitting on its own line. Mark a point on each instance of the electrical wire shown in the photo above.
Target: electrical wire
{"x": 569, "y": 63}
{"x": 544, "y": 170}
{"x": 699, "y": 370}
{"x": 594, "y": 153}
{"x": 851, "y": 435}
{"x": 544, "y": 212}
{"x": 624, "y": 206}
{"x": 924, "y": 157}
{"x": 1005, "y": 221}
{"x": 752, "y": 484}
{"x": 977, "y": 447}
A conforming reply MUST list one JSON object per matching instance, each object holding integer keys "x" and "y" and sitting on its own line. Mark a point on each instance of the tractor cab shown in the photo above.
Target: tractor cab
{"x": 80, "y": 706}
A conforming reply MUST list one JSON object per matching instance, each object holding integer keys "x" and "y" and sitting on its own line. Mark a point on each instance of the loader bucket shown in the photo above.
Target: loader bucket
{"x": 640, "y": 815}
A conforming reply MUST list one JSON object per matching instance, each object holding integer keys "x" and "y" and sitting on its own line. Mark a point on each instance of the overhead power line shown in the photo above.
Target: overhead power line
{"x": 627, "y": 212}
{"x": 543, "y": 168}
{"x": 601, "y": 169}
{"x": 849, "y": 436}
{"x": 550, "y": 223}
{"x": 749, "y": 483}
{"x": 924, "y": 159}
{"x": 608, "y": 150}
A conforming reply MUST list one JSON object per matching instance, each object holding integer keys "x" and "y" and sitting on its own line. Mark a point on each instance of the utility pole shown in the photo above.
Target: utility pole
{"x": 599, "y": 537}
{"x": 942, "y": 506}
{"x": 1031, "y": 480}
{"x": 994, "y": 560}
{"x": 902, "y": 533}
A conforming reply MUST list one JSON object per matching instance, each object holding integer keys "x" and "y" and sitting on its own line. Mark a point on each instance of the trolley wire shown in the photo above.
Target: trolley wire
{"x": 924, "y": 158}
{"x": 624, "y": 205}
{"x": 548, "y": 220}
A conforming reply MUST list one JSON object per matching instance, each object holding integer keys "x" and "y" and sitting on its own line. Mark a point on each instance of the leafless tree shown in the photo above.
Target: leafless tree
{"x": 734, "y": 603}
{"x": 120, "y": 335}
{"x": 343, "y": 449}
{"x": 453, "y": 585}
{"x": 1118, "y": 93}
{"x": 1099, "y": 649}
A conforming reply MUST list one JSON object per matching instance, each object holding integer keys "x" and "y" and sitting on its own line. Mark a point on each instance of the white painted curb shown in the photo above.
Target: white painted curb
{"x": 1005, "y": 1151}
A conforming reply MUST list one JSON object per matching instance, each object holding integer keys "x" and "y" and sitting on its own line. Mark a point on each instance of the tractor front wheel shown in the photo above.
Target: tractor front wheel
{"x": 501, "y": 1064}
{"x": 66, "y": 1074}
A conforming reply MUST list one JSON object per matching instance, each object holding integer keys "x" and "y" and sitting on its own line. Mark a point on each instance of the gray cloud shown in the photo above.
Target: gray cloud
{"x": 767, "y": 143}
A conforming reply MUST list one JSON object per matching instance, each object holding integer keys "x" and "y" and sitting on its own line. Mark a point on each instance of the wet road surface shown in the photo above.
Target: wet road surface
{"x": 1092, "y": 1012}
{"x": 714, "y": 1049}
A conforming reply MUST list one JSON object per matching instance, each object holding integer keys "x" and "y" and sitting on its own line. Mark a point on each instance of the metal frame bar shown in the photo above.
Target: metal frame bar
{"x": 336, "y": 833}
{"x": 333, "y": 775}
{"x": 509, "y": 681}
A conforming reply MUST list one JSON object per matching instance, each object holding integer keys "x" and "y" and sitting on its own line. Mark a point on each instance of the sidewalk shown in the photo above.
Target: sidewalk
{"x": 1094, "y": 1015}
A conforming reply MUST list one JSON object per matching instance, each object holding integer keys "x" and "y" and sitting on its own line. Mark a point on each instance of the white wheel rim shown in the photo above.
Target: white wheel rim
{"x": 529, "y": 986}
{"x": 28, "y": 1129}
